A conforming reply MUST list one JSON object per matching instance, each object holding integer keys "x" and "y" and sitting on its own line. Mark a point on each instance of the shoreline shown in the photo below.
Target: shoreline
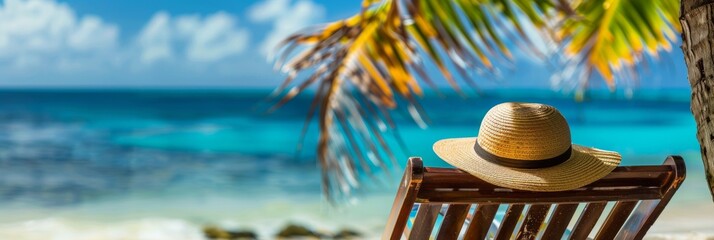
{"x": 684, "y": 218}
{"x": 164, "y": 228}
{"x": 690, "y": 215}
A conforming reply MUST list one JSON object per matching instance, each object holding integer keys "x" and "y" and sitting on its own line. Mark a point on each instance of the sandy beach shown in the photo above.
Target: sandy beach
{"x": 687, "y": 217}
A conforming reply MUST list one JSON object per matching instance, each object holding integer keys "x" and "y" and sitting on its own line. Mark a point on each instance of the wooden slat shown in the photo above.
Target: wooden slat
{"x": 538, "y": 197}
{"x": 424, "y": 221}
{"x": 481, "y": 221}
{"x": 648, "y": 180}
{"x": 621, "y": 169}
{"x": 562, "y": 215}
{"x": 647, "y": 212}
{"x": 453, "y": 221}
{"x": 455, "y": 178}
{"x": 531, "y": 223}
{"x": 615, "y": 219}
{"x": 639, "y": 217}
{"x": 587, "y": 220}
{"x": 624, "y": 183}
{"x": 509, "y": 222}
{"x": 404, "y": 201}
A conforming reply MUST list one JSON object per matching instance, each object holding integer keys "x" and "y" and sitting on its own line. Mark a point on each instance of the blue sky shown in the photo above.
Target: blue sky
{"x": 207, "y": 43}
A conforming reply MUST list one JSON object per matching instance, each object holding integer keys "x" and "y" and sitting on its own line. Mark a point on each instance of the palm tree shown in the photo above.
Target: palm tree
{"x": 366, "y": 66}
{"x": 697, "y": 19}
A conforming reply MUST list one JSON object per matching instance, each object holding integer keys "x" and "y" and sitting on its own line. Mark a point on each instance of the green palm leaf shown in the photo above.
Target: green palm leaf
{"x": 612, "y": 36}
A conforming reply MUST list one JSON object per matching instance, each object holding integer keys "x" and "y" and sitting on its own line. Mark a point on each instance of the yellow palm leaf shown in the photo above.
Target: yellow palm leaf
{"x": 612, "y": 35}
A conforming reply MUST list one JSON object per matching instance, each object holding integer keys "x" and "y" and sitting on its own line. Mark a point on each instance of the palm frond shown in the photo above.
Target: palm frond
{"x": 368, "y": 65}
{"x": 611, "y": 36}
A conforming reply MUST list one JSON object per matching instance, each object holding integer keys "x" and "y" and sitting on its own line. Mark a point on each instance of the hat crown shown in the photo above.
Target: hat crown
{"x": 524, "y": 131}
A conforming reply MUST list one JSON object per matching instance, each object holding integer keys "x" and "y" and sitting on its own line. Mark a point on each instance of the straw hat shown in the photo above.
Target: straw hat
{"x": 527, "y": 146}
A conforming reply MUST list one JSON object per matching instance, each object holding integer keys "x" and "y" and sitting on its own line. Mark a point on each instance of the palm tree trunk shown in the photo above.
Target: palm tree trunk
{"x": 697, "y": 18}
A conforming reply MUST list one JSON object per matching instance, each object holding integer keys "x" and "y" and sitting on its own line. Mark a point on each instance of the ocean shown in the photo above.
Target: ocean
{"x": 162, "y": 164}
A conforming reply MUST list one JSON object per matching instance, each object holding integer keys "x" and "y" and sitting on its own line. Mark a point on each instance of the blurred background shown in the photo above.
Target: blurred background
{"x": 146, "y": 120}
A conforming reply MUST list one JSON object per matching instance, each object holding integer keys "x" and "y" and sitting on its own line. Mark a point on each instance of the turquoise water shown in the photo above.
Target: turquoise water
{"x": 130, "y": 154}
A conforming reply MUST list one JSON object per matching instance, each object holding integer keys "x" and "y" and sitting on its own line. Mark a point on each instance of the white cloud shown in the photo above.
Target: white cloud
{"x": 93, "y": 34}
{"x": 195, "y": 38}
{"x": 286, "y": 19}
{"x": 268, "y": 10}
{"x": 48, "y": 41}
{"x": 214, "y": 39}
{"x": 44, "y": 31}
{"x": 52, "y": 35}
{"x": 155, "y": 39}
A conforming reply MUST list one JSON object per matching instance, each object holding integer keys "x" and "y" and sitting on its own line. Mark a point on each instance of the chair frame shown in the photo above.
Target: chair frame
{"x": 640, "y": 194}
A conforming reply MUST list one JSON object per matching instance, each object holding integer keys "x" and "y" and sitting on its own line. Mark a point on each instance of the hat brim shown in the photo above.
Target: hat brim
{"x": 585, "y": 166}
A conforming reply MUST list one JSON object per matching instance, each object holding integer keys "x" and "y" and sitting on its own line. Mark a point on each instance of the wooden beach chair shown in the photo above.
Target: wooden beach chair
{"x": 637, "y": 194}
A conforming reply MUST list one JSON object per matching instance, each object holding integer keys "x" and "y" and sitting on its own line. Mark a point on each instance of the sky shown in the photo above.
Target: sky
{"x": 192, "y": 43}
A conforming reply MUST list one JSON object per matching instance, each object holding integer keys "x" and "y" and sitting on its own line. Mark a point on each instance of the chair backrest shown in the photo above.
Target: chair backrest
{"x": 637, "y": 195}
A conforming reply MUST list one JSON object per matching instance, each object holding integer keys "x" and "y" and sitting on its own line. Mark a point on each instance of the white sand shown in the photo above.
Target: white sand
{"x": 690, "y": 215}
